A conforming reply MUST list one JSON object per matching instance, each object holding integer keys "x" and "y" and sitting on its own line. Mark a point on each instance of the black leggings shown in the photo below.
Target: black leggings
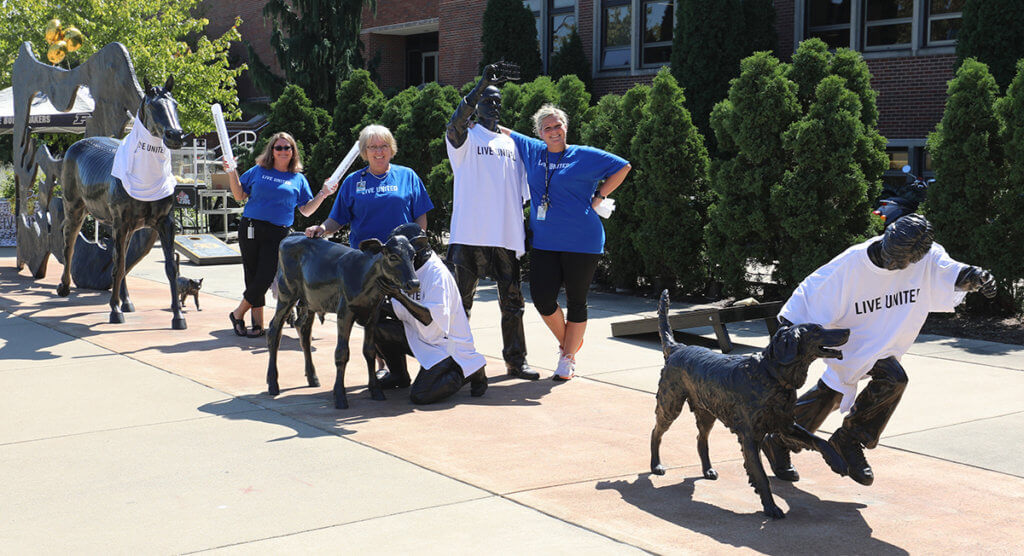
{"x": 550, "y": 270}
{"x": 259, "y": 257}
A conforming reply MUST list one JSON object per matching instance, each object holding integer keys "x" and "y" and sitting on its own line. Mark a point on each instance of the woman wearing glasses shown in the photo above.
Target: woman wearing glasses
{"x": 375, "y": 200}
{"x": 274, "y": 188}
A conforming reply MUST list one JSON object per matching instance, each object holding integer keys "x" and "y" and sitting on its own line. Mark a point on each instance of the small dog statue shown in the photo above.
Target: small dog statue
{"x": 187, "y": 287}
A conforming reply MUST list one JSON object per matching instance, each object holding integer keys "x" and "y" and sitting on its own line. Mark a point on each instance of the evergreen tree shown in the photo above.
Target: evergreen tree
{"x": 359, "y": 103}
{"x": 574, "y": 99}
{"x": 420, "y": 139}
{"x": 813, "y": 203}
{"x": 316, "y": 43}
{"x": 759, "y": 32}
{"x": 625, "y": 266}
{"x": 810, "y": 65}
{"x": 509, "y": 33}
{"x": 672, "y": 195}
{"x": 597, "y": 131}
{"x": 749, "y": 124}
{"x": 707, "y": 45}
{"x": 531, "y": 97}
{"x": 992, "y": 31}
{"x": 571, "y": 59}
{"x": 1007, "y": 234}
{"x": 967, "y": 155}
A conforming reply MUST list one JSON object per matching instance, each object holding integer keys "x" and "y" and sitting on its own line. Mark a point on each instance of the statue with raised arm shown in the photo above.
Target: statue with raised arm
{"x": 487, "y": 233}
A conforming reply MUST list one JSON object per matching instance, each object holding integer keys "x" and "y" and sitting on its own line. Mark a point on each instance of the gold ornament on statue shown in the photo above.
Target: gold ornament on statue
{"x": 53, "y": 31}
{"x": 56, "y": 52}
{"x": 74, "y": 38}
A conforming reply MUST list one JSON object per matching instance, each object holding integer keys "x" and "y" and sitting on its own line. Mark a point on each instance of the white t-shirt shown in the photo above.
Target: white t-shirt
{"x": 143, "y": 164}
{"x": 884, "y": 309}
{"x": 490, "y": 187}
{"x": 448, "y": 334}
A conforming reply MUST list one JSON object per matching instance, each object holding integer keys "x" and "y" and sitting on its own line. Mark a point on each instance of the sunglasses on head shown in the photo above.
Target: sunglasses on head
{"x": 282, "y": 147}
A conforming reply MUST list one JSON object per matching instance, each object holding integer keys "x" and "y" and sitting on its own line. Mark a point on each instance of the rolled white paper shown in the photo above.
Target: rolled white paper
{"x": 345, "y": 163}
{"x": 606, "y": 208}
{"x": 222, "y": 134}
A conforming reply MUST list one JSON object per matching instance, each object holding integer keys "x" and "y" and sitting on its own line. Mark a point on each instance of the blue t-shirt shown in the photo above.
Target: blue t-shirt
{"x": 374, "y": 207}
{"x": 274, "y": 195}
{"x": 571, "y": 224}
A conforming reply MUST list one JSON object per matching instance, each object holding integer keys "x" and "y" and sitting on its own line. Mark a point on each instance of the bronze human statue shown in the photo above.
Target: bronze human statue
{"x": 487, "y": 232}
{"x": 443, "y": 345}
{"x": 89, "y": 185}
{"x": 882, "y": 290}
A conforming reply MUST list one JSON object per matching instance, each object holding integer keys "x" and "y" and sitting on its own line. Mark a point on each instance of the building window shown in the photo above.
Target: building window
{"x": 888, "y": 23}
{"x": 882, "y": 25}
{"x": 555, "y": 21}
{"x": 829, "y": 21}
{"x": 944, "y": 17}
{"x": 616, "y": 38}
{"x": 658, "y": 22}
{"x": 649, "y": 33}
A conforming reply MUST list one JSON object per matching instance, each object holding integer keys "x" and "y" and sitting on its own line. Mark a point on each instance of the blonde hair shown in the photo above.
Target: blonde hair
{"x": 375, "y": 131}
{"x": 266, "y": 159}
{"x": 547, "y": 111}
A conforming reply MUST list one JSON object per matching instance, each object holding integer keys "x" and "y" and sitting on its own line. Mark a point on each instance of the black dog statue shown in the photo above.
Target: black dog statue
{"x": 187, "y": 287}
{"x": 753, "y": 395}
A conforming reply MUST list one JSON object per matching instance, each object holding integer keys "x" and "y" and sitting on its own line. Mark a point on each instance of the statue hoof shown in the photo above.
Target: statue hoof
{"x": 340, "y": 404}
{"x": 273, "y": 389}
{"x": 377, "y": 395}
{"x": 179, "y": 324}
{"x": 658, "y": 469}
{"x": 63, "y": 290}
{"x": 313, "y": 381}
{"x": 116, "y": 317}
{"x": 128, "y": 307}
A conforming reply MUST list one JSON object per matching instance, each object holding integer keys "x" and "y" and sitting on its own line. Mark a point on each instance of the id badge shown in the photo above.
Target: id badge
{"x": 250, "y": 231}
{"x": 542, "y": 211}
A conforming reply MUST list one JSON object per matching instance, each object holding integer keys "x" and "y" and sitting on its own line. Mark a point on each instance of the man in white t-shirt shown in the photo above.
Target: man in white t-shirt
{"x": 443, "y": 348}
{"x": 487, "y": 234}
{"x": 882, "y": 290}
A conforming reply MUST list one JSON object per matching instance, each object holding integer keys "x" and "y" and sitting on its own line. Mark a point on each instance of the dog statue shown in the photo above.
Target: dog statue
{"x": 187, "y": 287}
{"x": 753, "y": 395}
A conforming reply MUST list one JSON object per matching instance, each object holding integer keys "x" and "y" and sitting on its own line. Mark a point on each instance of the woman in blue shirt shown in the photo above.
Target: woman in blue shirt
{"x": 274, "y": 187}
{"x": 377, "y": 199}
{"x": 567, "y": 183}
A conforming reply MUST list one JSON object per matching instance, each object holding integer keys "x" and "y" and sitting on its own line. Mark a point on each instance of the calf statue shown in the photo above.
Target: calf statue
{"x": 328, "y": 276}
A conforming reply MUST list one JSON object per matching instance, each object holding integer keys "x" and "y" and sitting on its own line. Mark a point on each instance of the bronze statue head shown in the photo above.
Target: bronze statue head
{"x": 488, "y": 108}
{"x": 905, "y": 242}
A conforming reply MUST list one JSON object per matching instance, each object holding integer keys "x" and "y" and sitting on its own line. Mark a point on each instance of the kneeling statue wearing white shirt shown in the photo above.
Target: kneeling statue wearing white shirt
{"x": 444, "y": 348}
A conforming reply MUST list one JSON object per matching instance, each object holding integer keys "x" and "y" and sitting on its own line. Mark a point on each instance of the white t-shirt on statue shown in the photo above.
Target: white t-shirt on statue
{"x": 490, "y": 188}
{"x": 448, "y": 334}
{"x": 884, "y": 309}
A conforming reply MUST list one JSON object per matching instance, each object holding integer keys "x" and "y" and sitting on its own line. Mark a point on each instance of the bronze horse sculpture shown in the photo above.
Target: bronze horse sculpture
{"x": 89, "y": 186}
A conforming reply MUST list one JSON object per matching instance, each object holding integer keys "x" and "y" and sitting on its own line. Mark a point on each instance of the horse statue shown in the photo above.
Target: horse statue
{"x": 88, "y": 185}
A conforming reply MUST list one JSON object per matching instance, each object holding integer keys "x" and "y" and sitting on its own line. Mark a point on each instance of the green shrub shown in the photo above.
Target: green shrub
{"x": 509, "y": 33}
{"x": 992, "y": 31}
{"x": 1008, "y": 232}
{"x": 749, "y": 124}
{"x": 574, "y": 99}
{"x": 571, "y": 59}
{"x": 672, "y": 194}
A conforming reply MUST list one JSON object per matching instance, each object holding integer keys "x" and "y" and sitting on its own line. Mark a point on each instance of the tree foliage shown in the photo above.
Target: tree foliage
{"x": 1007, "y": 233}
{"x": 162, "y": 37}
{"x": 509, "y": 33}
{"x": 749, "y": 124}
{"x": 821, "y": 204}
{"x": 967, "y": 155}
{"x": 316, "y": 43}
{"x": 571, "y": 59}
{"x": 992, "y": 31}
{"x": 672, "y": 195}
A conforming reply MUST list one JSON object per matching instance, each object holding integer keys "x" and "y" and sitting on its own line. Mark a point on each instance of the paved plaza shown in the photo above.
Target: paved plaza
{"x": 139, "y": 439}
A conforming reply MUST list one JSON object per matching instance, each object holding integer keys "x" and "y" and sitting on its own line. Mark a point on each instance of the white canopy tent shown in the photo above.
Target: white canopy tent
{"x": 44, "y": 118}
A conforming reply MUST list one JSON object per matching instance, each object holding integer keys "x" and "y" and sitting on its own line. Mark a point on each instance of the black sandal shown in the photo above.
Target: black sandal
{"x": 257, "y": 331}
{"x": 237, "y": 324}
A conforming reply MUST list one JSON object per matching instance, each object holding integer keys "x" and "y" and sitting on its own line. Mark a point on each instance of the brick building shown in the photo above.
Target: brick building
{"x": 908, "y": 44}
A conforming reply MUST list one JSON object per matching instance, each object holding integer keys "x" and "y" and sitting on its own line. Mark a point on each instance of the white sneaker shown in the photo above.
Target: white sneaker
{"x": 566, "y": 368}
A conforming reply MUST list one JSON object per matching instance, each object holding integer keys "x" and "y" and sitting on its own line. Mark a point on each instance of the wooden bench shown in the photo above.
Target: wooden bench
{"x": 697, "y": 317}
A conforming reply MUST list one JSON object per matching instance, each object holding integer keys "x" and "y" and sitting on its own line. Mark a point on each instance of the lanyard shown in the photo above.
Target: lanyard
{"x": 546, "y": 200}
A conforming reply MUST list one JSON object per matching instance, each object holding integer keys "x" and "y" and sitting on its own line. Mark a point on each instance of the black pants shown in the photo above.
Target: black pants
{"x": 550, "y": 270}
{"x": 872, "y": 409}
{"x": 259, "y": 257}
{"x": 431, "y": 385}
{"x": 469, "y": 263}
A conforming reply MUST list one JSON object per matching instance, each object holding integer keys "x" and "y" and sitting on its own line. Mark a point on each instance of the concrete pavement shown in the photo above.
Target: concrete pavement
{"x": 138, "y": 438}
